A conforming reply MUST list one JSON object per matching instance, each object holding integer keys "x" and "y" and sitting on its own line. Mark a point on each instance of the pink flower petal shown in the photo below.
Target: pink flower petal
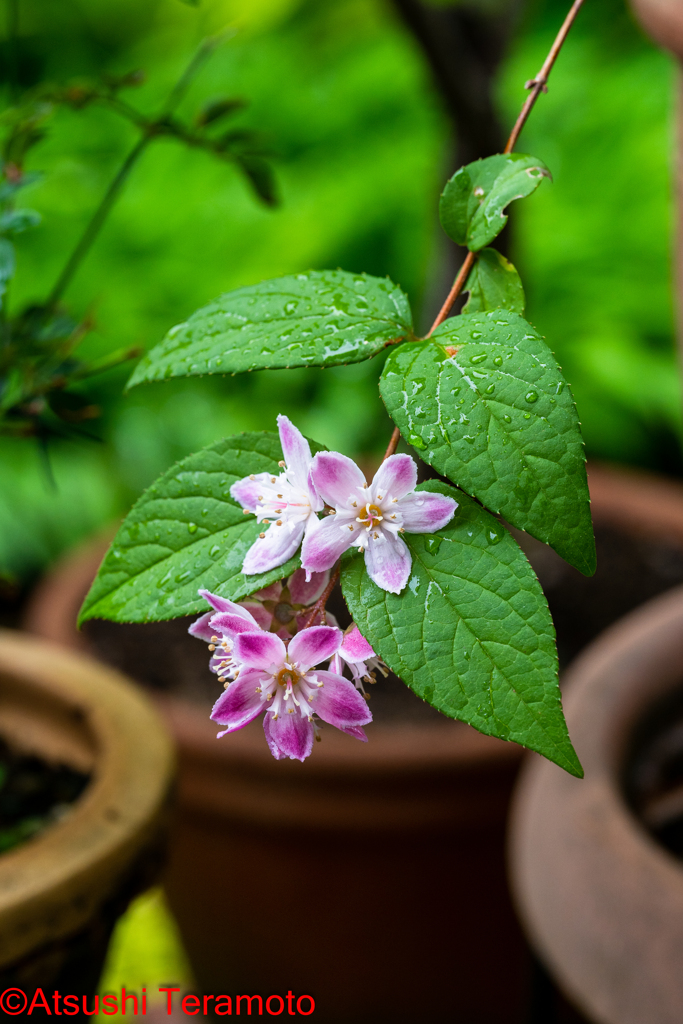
{"x": 313, "y": 645}
{"x": 355, "y": 647}
{"x": 396, "y": 476}
{"x": 295, "y": 448}
{"x": 259, "y": 650}
{"x": 316, "y": 502}
{"x": 321, "y": 549}
{"x": 425, "y": 512}
{"x": 336, "y": 478}
{"x": 289, "y": 733}
{"x": 261, "y": 616}
{"x": 246, "y": 491}
{"x": 271, "y": 593}
{"x": 223, "y": 604}
{"x": 276, "y": 548}
{"x": 305, "y": 593}
{"x": 240, "y": 703}
{"x": 339, "y": 702}
{"x": 388, "y": 563}
{"x": 230, "y": 625}
{"x": 202, "y": 629}
{"x": 357, "y": 732}
{"x": 272, "y": 745}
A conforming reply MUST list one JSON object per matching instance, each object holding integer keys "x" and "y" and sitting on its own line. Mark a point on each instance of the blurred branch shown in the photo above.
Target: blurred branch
{"x": 151, "y": 128}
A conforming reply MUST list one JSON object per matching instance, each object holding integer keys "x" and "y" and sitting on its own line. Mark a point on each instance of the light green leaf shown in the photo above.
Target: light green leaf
{"x": 486, "y": 404}
{"x": 471, "y": 634}
{"x": 323, "y": 318}
{"x": 13, "y": 222}
{"x": 186, "y": 532}
{"x": 7, "y": 265}
{"x": 473, "y": 201}
{"x": 493, "y": 284}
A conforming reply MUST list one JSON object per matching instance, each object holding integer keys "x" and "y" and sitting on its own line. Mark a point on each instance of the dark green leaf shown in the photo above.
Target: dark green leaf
{"x": 7, "y": 264}
{"x": 472, "y": 203}
{"x": 186, "y": 532}
{"x": 486, "y": 404}
{"x": 215, "y": 109}
{"x": 493, "y": 284}
{"x": 323, "y": 318}
{"x": 260, "y": 174}
{"x": 471, "y": 634}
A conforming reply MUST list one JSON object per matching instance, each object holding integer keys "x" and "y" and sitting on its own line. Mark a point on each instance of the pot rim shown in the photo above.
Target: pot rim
{"x": 52, "y": 884}
{"x": 598, "y": 895}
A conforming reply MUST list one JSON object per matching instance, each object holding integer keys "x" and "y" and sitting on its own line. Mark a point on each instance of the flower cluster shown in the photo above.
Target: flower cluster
{"x": 370, "y": 517}
{"x": 264, "y": 673}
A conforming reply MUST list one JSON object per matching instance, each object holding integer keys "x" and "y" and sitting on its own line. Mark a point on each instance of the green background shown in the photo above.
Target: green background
{"x": 363, "y": 149}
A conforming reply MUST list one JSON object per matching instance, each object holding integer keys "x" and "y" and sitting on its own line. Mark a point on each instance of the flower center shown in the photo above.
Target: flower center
{"x": 370, "y": 515}
{"x": 288, "y": 677}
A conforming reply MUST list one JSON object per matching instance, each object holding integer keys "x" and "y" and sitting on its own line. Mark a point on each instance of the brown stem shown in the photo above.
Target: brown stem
{"x": 395, "y": 438}
{"x": 319, "y": 606}
{"x": 540, "y": 82}
{"x": 537, "y": 86}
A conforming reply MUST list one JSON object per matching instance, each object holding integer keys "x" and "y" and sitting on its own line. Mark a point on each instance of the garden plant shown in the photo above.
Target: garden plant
{"x": 255, "y": 530}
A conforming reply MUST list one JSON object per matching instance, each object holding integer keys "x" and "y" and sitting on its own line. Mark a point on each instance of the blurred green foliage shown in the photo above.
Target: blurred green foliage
{"x": 363, "y": 149}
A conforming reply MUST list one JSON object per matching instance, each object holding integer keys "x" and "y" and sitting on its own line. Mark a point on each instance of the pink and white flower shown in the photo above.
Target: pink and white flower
{"x": 287, "y": 502}
{"x": 248, "y": 615}
{"x": 286, "y": 603}
{"x": 356, "y": 653}
{"x": 372, "y": 517}
{"x": 283, "y": 682}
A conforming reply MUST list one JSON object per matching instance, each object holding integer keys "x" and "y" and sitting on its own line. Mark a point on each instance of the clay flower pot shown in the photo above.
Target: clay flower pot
{"x": 62, "y": 891}
{"x": 373, "y": 876}
{"x": 596, "y": 863}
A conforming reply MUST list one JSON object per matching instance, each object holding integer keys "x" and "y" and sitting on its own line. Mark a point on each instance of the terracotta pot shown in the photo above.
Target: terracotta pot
{"x": 601, "y": 897}
{"x": 663, "y": 20}
{"x": 61, "y": 892}
{"x": 347, "y": 860}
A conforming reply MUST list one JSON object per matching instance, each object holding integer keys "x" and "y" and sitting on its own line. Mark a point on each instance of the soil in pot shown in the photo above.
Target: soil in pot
{"x": 33, "y": 794}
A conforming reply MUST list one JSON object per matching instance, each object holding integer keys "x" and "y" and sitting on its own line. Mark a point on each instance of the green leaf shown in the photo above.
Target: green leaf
{"x": 493, "y": 284}
{"x": 323, "y": 318}
{"x": 473, "y": 201}
{"x": 486, "y": 404}
{"x": 7, "y": 265}
{"x": 471, "y": 634}
{"x": 259, "y": 173}
{"x": 186, "y": 532}
{"x": 13, "y": 222}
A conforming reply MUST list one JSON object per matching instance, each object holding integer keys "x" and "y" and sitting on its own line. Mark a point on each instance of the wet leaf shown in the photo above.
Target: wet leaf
{"x": 186, "y": 532}
{"x": 322, "y": 318}
{"x": 486, "y": 404}
{"x": 473, "y": 201}
{"x": 471, "y": 634}
{"x": 493, "y": 284}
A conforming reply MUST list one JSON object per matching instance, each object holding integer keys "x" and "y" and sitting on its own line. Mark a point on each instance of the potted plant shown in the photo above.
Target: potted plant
{"x": 67, "y": 718}
{"x": 437, "y": 590}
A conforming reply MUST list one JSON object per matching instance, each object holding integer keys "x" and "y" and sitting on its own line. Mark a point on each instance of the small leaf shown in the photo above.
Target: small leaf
{"x": 471, "y": 634}
{"x": 215, "y": 109}
{"x": 13, "y": 222}
{"x": 323, "y": 318}
{"x": 486, "y": 404}
{"x": 257, "y": 170}
{"x": 186, "y": 532}
{"x": 7, "y": 265}
{"x": 493, "y": 284}
{"x": 472, "y": 203}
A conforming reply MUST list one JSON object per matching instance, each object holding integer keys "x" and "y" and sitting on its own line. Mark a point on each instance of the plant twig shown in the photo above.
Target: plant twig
{"x": 319, "y": 606}
{"x": 537, "y": 86}
{"x": 151, "y": 129}
{"x": 395, "y": 438}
